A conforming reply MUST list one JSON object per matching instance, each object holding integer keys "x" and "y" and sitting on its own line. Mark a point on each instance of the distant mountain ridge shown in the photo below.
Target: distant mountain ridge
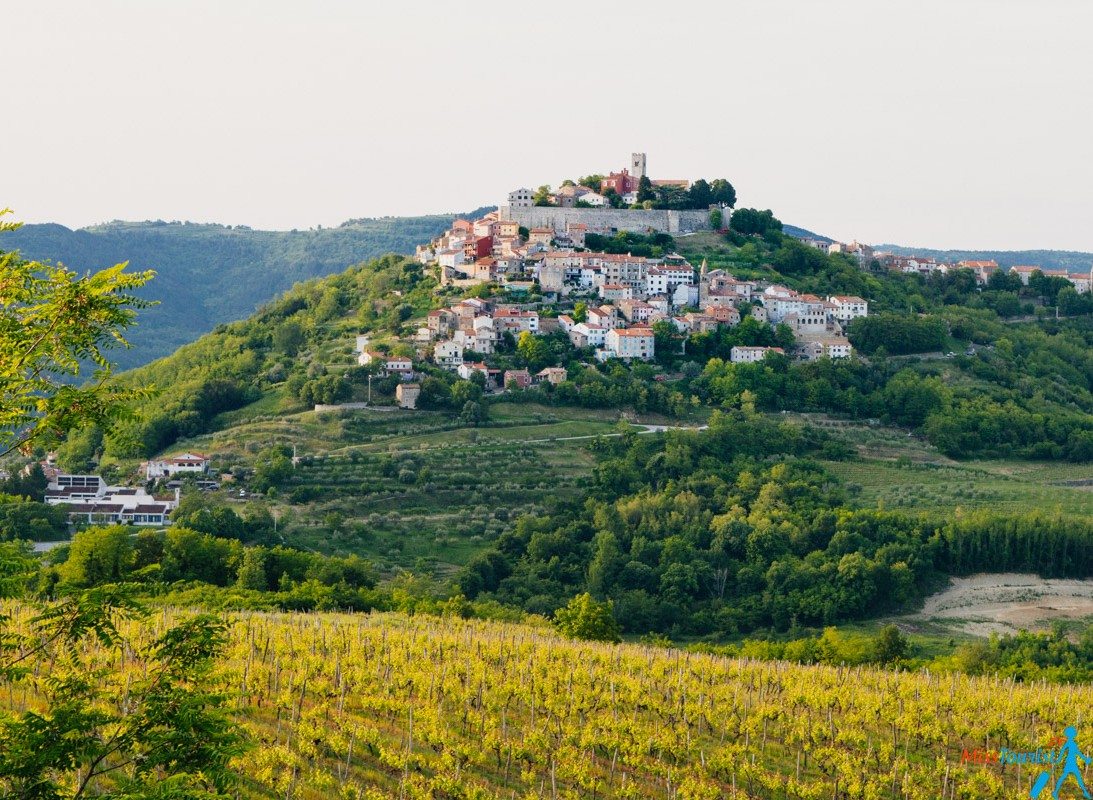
{"x": 208, "y": 274}
{"x": 1071, "y": 260}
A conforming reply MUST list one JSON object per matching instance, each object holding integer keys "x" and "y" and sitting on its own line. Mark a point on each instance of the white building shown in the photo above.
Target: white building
{"x": 466, "y": 370}
{"x": 848, "y": 307}
{"x": 516, "y": 321}
{"x": 452, "y": 259}
{"x": 448, "y": 355}
{"x": 584, "y": 334}
{"x": 750, "y": 355}
{"x": 91, "y": 501}
{"x": 685, "y": 295}
{"x": 520, "y": 198}
{"x": 838, "y": 348}
{"x": 187, "y": 463}
{"x": 630, "y": 343}
{"x": 604, "y": 316}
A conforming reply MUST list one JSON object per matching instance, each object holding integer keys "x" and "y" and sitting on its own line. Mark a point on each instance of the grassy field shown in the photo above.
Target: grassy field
{"x": 898, "y": 471}
{"x": 948, "y": 488}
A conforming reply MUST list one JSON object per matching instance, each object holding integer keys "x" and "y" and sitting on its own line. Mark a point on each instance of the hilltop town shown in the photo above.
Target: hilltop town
{"x": 578, "y": 277}
{"x": 608, "y": 303}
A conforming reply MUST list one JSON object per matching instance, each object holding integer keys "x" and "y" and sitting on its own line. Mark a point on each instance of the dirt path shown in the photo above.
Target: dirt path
{"x": 1008, "y": 602}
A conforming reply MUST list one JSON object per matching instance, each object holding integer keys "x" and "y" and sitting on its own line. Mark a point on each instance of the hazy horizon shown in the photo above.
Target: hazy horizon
{"x": 951, "y": 125}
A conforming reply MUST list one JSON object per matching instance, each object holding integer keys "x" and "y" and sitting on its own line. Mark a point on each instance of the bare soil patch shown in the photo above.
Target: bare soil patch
{"x": 1008, "y": 602}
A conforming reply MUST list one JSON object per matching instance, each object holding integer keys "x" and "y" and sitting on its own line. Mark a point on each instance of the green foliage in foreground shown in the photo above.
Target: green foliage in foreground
{"x": 152, "y": 728}
{"x": 52, "y": 322}
{"x": 584, "y": 618}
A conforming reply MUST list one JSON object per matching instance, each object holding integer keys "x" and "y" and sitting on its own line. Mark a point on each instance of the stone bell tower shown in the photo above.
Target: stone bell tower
{"x": 637, "y": 165}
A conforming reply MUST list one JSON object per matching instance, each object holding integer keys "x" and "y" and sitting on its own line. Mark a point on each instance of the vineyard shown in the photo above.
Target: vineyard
{"x": 388, "y": 706}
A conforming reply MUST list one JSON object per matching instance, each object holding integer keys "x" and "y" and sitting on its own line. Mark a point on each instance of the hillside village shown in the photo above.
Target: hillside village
{"x": 547, "y": 281}
{"x": 606, "y": 302}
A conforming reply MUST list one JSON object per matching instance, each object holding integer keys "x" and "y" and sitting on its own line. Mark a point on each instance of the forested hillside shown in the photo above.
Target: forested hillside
{"x": 209, "y": 274}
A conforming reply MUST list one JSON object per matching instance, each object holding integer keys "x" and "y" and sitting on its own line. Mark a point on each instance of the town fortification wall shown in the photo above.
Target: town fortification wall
{"x": 610, "y": 220}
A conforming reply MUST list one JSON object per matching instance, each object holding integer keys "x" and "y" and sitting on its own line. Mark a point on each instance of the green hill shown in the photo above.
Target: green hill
{"x": 436, "y": 489}
{"x": 209, "y": 274}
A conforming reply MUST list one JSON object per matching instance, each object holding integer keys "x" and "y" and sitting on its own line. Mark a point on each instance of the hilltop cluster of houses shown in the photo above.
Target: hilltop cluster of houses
{"x": 489, "y": 249}
{"x": 625, "y": 183}
{"x": 624, "y": 295}
{"x": 927, "y": 265}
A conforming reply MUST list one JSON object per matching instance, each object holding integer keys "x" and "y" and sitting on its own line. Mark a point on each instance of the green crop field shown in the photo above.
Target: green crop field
{"x": 414, "y": 490}
{"x": 944, "y": 489}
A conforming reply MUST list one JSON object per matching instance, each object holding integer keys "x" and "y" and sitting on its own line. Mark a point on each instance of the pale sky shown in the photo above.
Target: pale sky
{"x": 960, "y": 123}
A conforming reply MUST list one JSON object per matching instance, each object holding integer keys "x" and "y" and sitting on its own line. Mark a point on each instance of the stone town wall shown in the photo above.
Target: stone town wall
{"x": 610, "y": 220}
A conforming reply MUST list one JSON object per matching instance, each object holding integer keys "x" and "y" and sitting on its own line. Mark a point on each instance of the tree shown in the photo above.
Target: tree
{"x": 584, "y": 618}
{"x": 890, "y": 645}
{"x": 534, "y": 350}
{"x": 169, "y": 738}
{"x": 473, "y": 414}
{"x": 721, "y": 191}
{"x": 464, "y": 392}
{"x": 646, "y": 193}
{"x": 542, "y": 196}
{"x": 665, "y": 339}
{"x": 252, "y": 573}
{"x": 700, "y": 194}
{"x": 23, "y": 518}
{"x": 289, "y": 337}
{"x": 580, "y": 312}
{"x": 1071, "y": 303}
{"x": 717, "y": 219}
{"x": 97, "y": 726}
{"x": 591, "y": 181}
{"x": 750, "y": 221}
{"x": 53, "y": 321}
{"x": 99, "y": 555}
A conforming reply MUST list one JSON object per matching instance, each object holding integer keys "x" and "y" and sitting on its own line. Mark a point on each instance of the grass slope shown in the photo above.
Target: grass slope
{"x": 416, "y": 489}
